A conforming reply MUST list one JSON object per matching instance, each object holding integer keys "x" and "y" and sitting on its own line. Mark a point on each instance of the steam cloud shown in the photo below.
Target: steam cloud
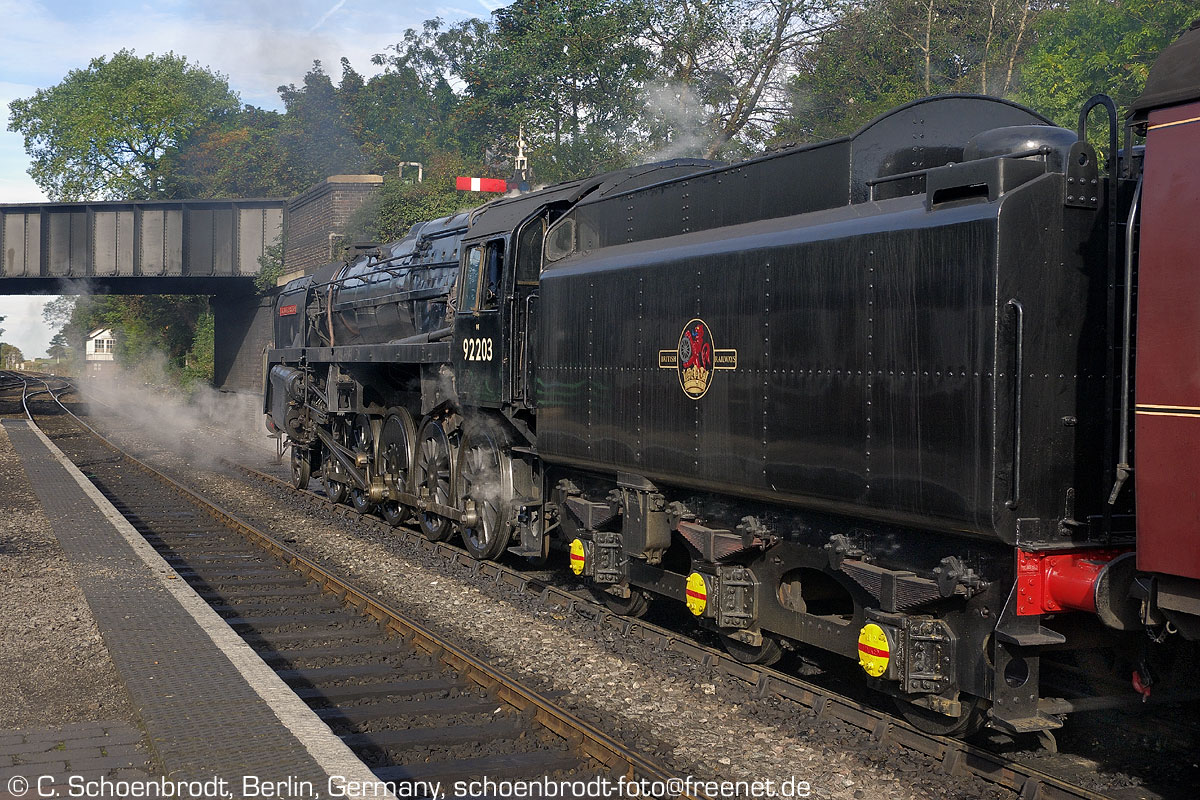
{"x": 200, "y": 424}
{"x": 675, "y": 108}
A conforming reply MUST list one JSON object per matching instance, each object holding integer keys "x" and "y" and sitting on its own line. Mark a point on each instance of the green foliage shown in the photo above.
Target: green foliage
{"x": 103, "y": 131}
{"x": 317, "y": 131}
{"x": 57, "y": 312}
{"x": 237, "y": 155}
{"x": 60, "y": 348}
{"x": 270, "y": 267}
{"x": 10, "y": 356}
{"x": 411, "y": 112}
{"x": 198, "y": 364}
{"x": 572, "y": 71}
{"x": 1086, "y": 47}
{"x": 401, "y": 204}
{"x": 157, "y": 324}
{"x": 883, "y": 53}
{"x": 719, "y": 89}
{"x": 149, "y": 329}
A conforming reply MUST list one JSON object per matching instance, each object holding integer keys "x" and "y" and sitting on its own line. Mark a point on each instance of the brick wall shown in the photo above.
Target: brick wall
{"x": 322, "y": 210}
{"x": 243, "y": 331}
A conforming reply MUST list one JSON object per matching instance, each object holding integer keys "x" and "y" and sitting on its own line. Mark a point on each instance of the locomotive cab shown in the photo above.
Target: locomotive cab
{"x": 479, "y": 345}
{"x": 495, "y": 296}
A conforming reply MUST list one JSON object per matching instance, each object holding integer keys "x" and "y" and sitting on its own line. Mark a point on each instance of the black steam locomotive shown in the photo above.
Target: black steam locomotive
{"x": 873, "y": 396}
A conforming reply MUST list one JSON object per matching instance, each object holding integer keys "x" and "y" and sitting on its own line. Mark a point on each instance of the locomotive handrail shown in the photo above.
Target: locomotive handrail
{"x": 1110, "y": 365}
{"x": 1018, "y": 369}
{"x": 871, "y": 183}
{"x": 423, "y": 293}
{"x": 1123, "y": 467}
{"x": 392, "y": 270}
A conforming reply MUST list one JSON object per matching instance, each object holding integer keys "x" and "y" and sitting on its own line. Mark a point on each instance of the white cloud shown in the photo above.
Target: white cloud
{"x": 23, "y": 325}
{"x": 20, "y": 188}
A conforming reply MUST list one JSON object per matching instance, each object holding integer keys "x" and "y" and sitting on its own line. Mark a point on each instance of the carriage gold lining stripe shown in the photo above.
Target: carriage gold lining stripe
{"x": 1167, "y": 411}
{"x": 1173, "y": 124}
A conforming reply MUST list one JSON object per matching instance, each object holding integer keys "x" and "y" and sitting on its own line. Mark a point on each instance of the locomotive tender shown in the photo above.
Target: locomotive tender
{"x": 876, "y": 396}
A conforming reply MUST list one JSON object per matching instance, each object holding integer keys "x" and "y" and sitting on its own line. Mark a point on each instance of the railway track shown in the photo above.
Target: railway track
{"x": 954, "y": 757}
{"x": 413, "y": 705}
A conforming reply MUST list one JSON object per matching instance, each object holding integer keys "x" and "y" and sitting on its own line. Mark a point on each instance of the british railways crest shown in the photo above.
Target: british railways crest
{"x": 695, "y": 359}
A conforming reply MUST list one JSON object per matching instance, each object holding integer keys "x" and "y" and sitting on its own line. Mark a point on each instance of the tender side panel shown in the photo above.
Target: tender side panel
{"x": 851, "y": 362}
{"x": 1167, "y": 427}
{"x": 861, "y": 361}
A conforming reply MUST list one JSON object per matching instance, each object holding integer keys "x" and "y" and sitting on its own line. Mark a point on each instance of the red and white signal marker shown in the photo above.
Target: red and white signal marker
{"x": 481, "y": 185}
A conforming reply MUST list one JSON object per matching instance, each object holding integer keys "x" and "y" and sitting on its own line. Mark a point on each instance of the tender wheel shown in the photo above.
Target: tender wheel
{"x": 432, "y": 469}
{"x": 301, "y": 467}
{"x": 395, "y": 458}
{"x": 765, "y": 654}
{"x": 972, "y": 719}
{"x": 635, "y": 605}
{"x": 485, "y": 479}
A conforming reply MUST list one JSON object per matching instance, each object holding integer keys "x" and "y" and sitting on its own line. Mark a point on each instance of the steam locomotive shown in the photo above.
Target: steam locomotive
{"x": 881, "y": 396}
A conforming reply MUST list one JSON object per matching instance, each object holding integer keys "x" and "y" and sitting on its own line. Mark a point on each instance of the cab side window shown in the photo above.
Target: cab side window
{"x": 529, "y": 252}
{"x": 468, "y": 289}
{"x": 493, "y": 275}
{"x": 482, "y": 278}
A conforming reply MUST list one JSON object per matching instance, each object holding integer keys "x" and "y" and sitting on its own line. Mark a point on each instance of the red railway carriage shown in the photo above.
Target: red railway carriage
{"x": 1167, "y": 387}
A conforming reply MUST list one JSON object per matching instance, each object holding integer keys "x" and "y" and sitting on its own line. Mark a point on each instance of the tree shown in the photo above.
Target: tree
{"x": 146, "y": 326}
{"x": 400, "y": 204}
{"x": 270, "y": 267}
{"x": 60, "y": 348}
{"x": 316, "y": 132}
{"x": 103, "y": 132}
{"x": 411, "y": 111}
{"x": 199, "y": 361}
{"x": 1089, "y": 46}
{"x": 722, "y": 67}
{"x": 884, "y": 53}
{"x": 57, "y": 312}
{"x": 236, "y": 155}
{"x": 10, "y": 356}
{"x": 572, "y": 72}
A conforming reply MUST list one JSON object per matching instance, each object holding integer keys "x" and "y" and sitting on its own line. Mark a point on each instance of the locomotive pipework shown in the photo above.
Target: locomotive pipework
{"x": 870, "y": 396}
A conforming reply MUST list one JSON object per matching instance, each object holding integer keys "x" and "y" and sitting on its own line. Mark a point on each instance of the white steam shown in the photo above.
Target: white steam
{"x": 677, "y": 121}
{"x": 200, "y": 424}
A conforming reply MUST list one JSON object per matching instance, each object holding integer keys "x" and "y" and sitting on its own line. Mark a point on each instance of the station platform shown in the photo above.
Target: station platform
{"x": 205, "y": 707}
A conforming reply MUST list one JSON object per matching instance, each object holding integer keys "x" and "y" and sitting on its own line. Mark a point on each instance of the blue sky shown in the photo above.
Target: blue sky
{"x": 257, "y": 44}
